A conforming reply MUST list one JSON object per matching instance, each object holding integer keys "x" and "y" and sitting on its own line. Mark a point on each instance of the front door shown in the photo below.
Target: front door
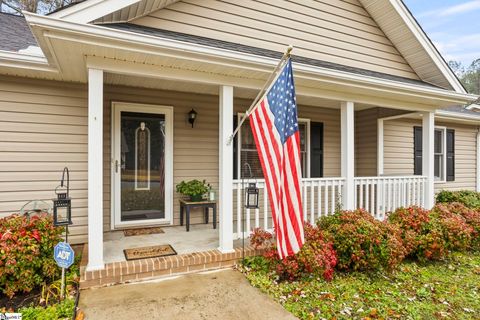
{"x": 142, "y": 164}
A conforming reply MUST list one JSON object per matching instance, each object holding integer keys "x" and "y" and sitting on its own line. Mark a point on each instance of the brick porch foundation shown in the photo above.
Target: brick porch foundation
{"x": 154, "y": 268}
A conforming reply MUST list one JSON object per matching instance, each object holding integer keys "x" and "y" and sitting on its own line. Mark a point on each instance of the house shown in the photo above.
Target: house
{"x": 104, "y": 87}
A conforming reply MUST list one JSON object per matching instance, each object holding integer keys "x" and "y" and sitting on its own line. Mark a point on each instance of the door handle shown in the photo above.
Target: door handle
{"x": 116, "y": 166}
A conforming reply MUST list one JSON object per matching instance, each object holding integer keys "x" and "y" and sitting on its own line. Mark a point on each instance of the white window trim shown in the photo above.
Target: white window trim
{"x": 444, "y": 152}
{"x": 239, "y": 144}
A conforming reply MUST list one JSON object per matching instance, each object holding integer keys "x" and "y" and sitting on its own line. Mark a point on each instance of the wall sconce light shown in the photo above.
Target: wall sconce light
{"x": 192, "y": 116}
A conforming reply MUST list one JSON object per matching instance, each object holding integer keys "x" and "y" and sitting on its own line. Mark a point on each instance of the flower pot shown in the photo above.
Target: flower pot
{"x": 196, "y": 197}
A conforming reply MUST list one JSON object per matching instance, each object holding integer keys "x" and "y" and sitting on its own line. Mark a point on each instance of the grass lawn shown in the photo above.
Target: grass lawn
{"x": 439, "y": 290}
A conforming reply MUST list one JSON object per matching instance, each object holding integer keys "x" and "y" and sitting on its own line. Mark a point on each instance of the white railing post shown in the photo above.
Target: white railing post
{"x": 428, "y": 158}
{"x": 95, "y": 170}
{"x": 347, "y": 114}
{"x": 225, "y": 170}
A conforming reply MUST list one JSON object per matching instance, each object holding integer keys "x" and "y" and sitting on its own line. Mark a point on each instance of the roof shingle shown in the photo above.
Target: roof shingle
{"x": 15, "y": 34}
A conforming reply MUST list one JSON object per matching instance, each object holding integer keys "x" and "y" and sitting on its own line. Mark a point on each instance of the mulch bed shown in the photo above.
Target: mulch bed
{"x": 20, "y": 299}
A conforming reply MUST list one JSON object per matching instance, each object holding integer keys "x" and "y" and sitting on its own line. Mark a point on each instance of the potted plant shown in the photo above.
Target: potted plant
{"x": 195, "y": 189}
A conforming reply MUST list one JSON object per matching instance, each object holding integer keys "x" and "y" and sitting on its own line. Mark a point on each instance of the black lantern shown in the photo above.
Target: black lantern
{"x": 62, "y": 206}
{"x": 192, "y": 116}
{"x": 251, "y": 196}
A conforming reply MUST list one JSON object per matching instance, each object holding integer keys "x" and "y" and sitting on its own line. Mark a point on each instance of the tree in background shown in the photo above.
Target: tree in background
{"x": 36, "y": 6}
{"x": 469, "y": 76}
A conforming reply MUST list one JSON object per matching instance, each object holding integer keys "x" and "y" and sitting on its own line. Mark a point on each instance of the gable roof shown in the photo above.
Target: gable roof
{"x": 15, "y": 34}
{"x": 215, "y": 43}
{"x": 401, "y": 27}
{"x": 392, "y": 16}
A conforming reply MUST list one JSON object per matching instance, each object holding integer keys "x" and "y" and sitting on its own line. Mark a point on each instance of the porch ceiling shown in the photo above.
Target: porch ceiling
{"x": 71, "y": 48}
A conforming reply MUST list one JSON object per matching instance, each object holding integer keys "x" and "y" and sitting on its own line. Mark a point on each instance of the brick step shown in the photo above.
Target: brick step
{"x": 154, "y": 268}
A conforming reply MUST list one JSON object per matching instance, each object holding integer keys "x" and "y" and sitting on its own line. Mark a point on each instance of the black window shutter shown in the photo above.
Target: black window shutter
{"x": 235, "y": 148}
{"x": 316, "y": 150}
{"x": 417, "y": 150}
{"x": 450, "y": 155}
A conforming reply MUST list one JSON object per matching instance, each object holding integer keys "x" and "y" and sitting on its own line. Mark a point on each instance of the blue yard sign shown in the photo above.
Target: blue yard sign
{"x": 64, "y": 255}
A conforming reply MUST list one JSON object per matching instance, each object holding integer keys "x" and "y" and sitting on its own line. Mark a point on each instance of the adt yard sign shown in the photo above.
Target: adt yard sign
{"x": 64, "y": 255}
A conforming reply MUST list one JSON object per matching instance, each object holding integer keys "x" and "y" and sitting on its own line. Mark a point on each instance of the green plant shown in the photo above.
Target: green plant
{"x": 193, "y": 188}
{"x": 62, "y": 310}
{"x": 469, "y": 198}
{"x": 362, "y": 242}
{"x": 26, "y": 251}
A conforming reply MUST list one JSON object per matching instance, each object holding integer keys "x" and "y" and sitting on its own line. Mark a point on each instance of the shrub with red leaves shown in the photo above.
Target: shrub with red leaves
{"x": 462, "y": 225}
{"x": 431, "y": 235}
{"x": 316, "y": 258}
{"x": 26, "y": 252}
{"x": 362, "y": 242}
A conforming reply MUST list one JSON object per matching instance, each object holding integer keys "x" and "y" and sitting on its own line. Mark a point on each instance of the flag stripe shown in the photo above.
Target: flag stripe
{"x": 274, "y": 125}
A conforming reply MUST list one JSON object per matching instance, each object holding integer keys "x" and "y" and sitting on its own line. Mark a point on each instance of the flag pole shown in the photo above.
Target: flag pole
{"x": 285, "y": 56}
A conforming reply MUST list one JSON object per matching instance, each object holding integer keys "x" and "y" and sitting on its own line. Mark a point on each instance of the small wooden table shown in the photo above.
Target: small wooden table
{"x": 187, "y": 205}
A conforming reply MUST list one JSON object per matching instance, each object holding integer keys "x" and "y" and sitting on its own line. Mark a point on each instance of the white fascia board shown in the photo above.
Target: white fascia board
{"x": 134, "y": 41}
{"x": 91, "y": 10}
{"x": 443, "y": 114}
{"x": 25, "y": 61}
{"x": 457, "y": 115}
{"x": 422, "y": 38}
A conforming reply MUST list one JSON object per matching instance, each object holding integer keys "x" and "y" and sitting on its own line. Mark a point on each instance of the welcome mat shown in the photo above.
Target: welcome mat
{"x": 149, "y": 252}
{"x": 142, "y": 231}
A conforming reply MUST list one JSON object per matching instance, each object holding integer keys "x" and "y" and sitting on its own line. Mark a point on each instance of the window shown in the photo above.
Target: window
{"x": 439, "y": 151}
{"x": 248, "y": 150}
{"x": 444, "y": 153}
{"x": 311, "y": 162}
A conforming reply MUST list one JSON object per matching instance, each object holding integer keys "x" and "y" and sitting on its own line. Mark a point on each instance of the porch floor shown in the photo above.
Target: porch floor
{"x": 202, "y": 237}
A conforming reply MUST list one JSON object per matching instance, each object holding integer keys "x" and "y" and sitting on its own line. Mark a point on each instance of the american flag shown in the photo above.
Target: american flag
{"x": 274, "y": 125}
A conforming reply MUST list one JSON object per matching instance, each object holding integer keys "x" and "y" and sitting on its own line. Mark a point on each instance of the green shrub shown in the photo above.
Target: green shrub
{"x": 26, "y": 252}
{"x": 470, "y": 199}
{"x": 362, "y": 242}
{"x": 63, "y": 310}
{"x": 471, "y": 218}
{"x": 315, "y": 258}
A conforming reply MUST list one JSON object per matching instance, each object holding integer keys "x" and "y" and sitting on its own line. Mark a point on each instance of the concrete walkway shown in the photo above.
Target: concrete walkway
{"x": 224, "y": 294}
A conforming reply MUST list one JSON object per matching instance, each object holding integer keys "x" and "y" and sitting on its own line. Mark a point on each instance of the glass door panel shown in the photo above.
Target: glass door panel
{"x": 142, "y": 166}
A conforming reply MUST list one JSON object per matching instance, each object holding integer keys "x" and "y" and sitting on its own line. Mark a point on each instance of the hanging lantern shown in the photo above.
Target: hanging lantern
{"x": 62, "y": 205}
{"x": 251, "y": 197}
{"x": 192, "y": 116}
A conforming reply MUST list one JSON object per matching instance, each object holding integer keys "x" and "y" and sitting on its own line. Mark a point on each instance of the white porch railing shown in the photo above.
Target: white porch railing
{"x": 379, "y": 195}
{"x": 320, "y": 196}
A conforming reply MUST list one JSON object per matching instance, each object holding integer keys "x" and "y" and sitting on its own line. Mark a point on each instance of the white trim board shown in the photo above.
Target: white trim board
{"x": 117, "y": 107}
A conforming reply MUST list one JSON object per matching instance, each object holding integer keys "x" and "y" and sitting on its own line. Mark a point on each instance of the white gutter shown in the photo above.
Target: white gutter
{"x": 457, "y": 115}
{"x": 25, "y": 61}
{"x": 133, "y": 40}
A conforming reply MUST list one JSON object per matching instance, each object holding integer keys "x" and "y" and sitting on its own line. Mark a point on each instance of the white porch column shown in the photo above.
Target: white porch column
{"x": 348, "y": 154}
{"x": 428, "y": 130}
{"x": 95, "y": 169}
{"x": 225, "y": 199}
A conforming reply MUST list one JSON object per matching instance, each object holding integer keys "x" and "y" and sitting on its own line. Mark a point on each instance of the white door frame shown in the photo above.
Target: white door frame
{"x": 117, "y": 108}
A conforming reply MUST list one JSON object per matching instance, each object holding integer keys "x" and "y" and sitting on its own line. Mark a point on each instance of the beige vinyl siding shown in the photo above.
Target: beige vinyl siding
{"x": 398, "y": 152}
{"x": 43, "y": 128}
{"x": 366, "y": 143}
{"x": 333, "y": 31}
